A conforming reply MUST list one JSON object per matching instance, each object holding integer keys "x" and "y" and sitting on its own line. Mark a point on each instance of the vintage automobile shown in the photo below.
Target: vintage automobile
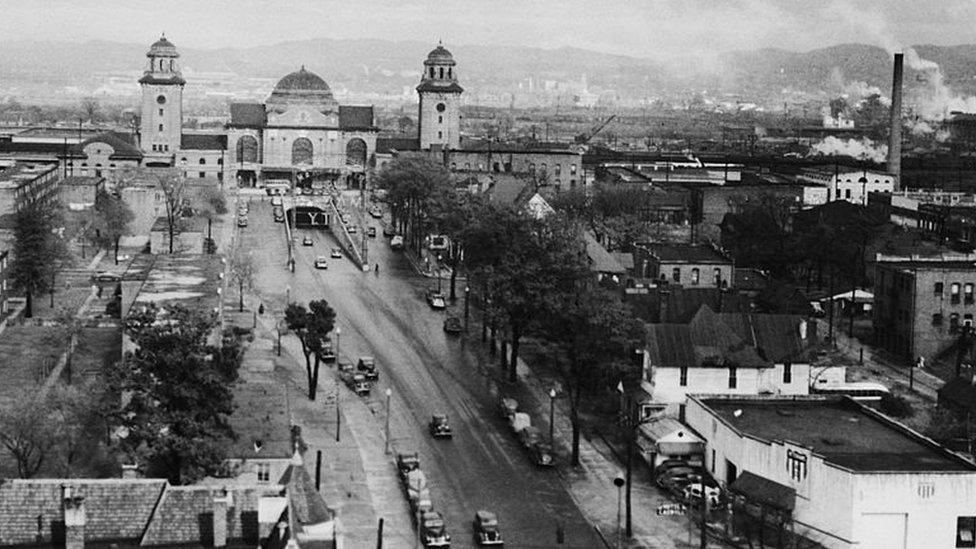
{"x": 356, "y": 382}
{"x": 367, "y": 367}
{"x": 418, "y": 495}
{"x": 344, "y": 365}
{"x": 328, "y": 352}
{"x": 406, "y": 463}
{"x": 242, "y": 221}
{"x": 453, "y": 325}
{"x": 541, "y": 454}
{"x": 336, "y": 253}
{"x": 279, "y": 217}
{"x": 307, "y": 241}
{"x": 376, "y": 213}
{"x": 432, "y": 530}
{"x": 321, "y": 262}
{"x": 396, "y": 243}
{"x": 692, "y": 493}
{"x": 351, "y": 229}
{"x": 439, "y": 427}
{"x": 486, "y": 529}
{"x": 388, "y": 230}
{"x": 436, "y": 299}
{"x": 508, "y": 407}
{"x": 371, "y": 232}
{"x": 106, "y": 277}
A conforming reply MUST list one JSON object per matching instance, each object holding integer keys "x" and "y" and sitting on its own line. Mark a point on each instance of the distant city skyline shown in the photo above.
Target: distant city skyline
{"x": 640, "y": 28}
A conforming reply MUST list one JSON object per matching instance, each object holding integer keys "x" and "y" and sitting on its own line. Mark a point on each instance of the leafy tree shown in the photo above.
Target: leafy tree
{"x": 78, "y": 423}
{"x": 38, "y": 250}
{"x": 896, "y": 406}
{"x": 173, "y": 394}
{"x": 242, "y": 272}
{"x": 412, "y": 185}
{"x": 213, "y": 200}
{"x": 312, "y": 326}
{"x": 28, "y": 433}
{"x": 594, "y": 335}
{"x": 173, "y": 186}
{"x": 112, "y": 220}
{"x": 757, "y": 232}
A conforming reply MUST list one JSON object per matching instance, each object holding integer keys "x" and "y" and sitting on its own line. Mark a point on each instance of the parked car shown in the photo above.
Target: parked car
{"x": 307, "y": 241}
{"x": 439, "y": 427}
{"x": 388, "y": 230}
{"x": 529, "y": 437}
{"x": 106, "y": 277}
{"x": 344, "y": 365}
{"x": 519, "y": 421}
{"x": 371, "y": 232}
{"x": 357, "y": 382}
{"x": 328, "y": 352}
{"x": 453, "y": 325}
{"x": 279, "y": 217}
{"x": 376, "y": 213}
{"x": 336, "y": 253}
{"x": 276, "y": 201}
{"x": 367, "y": 367}
{"x": 670, "y": 476}
{"x": 396, "y": 243}
{"x": 486, "y": 529}
{"x": 432, "y": 530}
{"x": 692, "y": 493}
{"x": 351, "y": 229}
{"x": 406, "y": 463}
{"x": 435, "y": 299}
{"x": 321, "y": 262}
{"x": 242, "y": 222}
{"x": 541, "y": 454}
{"x": 508, "y": 407}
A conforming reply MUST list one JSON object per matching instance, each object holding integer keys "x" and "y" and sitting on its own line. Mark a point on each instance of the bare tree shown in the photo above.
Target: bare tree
{"x": 90, "y": 109}
{"x": 242, "y": 272}
{"x": 173, "y": 185}
{"x": 28, "y": 433}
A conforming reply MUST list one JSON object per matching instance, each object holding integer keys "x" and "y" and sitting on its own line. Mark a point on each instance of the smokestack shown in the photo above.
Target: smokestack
{"x": 894, "y": 139}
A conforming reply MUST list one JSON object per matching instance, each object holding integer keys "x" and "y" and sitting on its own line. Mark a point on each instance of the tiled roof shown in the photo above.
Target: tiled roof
{"x": 203, "y": 142}
{"x": 356, "y": 118}
{"x": 433, "y": 86}
{"x": 115, "y": 509}
{"x": 250, "y": 115}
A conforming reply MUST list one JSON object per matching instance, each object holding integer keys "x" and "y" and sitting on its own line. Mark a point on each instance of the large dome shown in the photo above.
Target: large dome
{"x": 439, "y": 56}
{"x": 162, "y": 48}
{"x": 305, "y": 88}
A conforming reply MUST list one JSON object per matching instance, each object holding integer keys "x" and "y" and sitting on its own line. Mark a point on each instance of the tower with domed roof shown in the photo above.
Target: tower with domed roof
{"x": 162, "y": 100}
{"x": 439, "y": 120}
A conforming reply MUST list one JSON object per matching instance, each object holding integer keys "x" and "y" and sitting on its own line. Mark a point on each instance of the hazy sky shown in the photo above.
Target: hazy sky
{"x": 644, "y": 28}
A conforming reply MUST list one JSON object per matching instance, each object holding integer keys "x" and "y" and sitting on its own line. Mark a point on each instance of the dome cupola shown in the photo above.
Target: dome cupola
{"x": 302, "y": 87}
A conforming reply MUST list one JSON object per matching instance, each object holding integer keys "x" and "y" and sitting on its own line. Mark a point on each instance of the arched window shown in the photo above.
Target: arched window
{"x": 170, "y": 64}
{"x": 432, "y": 72}
{"x": 356, "y": 152}
{"x": 449, "y": 72}
{"x": 203, "y": 161}
{"x": 301, "y": 151}
{"x": 247, "y": 149}
{"x": 442, "y": 72}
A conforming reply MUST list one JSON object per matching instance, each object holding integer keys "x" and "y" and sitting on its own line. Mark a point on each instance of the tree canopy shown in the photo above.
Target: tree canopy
{"x": 112, "y": 220}
{"x": 38, "y": 250}
{"x": 312, "y": 327}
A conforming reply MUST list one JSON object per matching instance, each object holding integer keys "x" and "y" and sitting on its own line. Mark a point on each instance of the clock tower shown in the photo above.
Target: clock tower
{"x": 161, "y": 126}
{"x": 439, "y": 121}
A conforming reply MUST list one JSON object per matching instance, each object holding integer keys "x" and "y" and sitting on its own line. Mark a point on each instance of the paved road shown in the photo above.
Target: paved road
{"x": 428, "y": 371}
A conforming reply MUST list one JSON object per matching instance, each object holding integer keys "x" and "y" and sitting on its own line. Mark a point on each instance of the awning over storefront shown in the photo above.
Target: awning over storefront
{"x": 764, "y": 491}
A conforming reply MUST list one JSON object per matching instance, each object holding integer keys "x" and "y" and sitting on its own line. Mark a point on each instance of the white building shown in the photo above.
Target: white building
{"x": 836, "y": 472}
{"x": 727, "y": 353}
{"x": 851, "y": 185}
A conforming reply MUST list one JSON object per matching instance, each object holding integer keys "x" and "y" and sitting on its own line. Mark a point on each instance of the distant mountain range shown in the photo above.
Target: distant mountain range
{"x": 386, "y": 66}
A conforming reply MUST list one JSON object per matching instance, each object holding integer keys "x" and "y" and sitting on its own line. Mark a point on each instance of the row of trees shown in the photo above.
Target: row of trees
{"x": 532, "y": 277}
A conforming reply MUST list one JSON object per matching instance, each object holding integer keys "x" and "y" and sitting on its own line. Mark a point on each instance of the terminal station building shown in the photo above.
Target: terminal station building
{"x": 836, "y": 472}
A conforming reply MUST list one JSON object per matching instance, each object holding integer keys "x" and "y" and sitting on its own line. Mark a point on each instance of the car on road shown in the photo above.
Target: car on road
{"x": 541, "y": 454}
{"x": 367, "y": 367}
{"x": 321, "y": 262}
{"x": 351, "y": 229}
{"x": 358, "y": 383}
{"x": 432, "y": 530}
{"x": 486, "y": 529}
{"x": 276, "y": 201}
{"x": 328, "y": 351}
{"x": 453, "y": 325}
{"x": 242, "y": 222}
{"x": 439, "y": 427}
{"x": 371, "y": 232}
{"x": 106, "y": 277}
{"x": 336, "y": 253}
{"x": 279, "y": 217}
{"x": 436, "y": 299}
{"x": 307, "y": 241}
{"x": 376, "y": 213}
{"x": 406, "y": 463}
{"x": 388, "y": 230}
{"x": 396, "y": 243}
{"x": 508, "y": 407}
{"x": 344, "y": 365}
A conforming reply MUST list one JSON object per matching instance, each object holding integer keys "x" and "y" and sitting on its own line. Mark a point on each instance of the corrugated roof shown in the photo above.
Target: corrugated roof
{"x": 203, "y": 142}
{"x": 356, "y": 118}
{"x": 248, "y": 115}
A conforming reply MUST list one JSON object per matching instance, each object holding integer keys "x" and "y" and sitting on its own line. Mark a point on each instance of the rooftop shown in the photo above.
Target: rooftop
{"x": 601, "y": 260}
{"x": 248, "y": 115}
{"x": 22, "y": 173}
{"x": 260, "y": 415}
{"x": 81, "y": 181}
{"x": 203, "y": 141}
{"x": 839, "y": 429}
{"x": 356, "y": 117}
{"x": 941, "y": 261}
{"x": 688, "y": 253}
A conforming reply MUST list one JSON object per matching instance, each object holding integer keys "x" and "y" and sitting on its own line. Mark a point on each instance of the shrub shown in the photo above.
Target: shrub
{"x": 896, "y": 406}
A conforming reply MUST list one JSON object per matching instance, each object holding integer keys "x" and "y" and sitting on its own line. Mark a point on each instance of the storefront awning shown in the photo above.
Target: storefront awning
{"x": 764, "y": 491}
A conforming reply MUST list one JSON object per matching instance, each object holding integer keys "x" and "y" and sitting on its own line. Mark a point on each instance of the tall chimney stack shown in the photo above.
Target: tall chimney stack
{"x": 894, "y": 139}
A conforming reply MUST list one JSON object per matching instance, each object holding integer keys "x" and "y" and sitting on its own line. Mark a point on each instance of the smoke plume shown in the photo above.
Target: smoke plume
{"x": 863, "y": 149}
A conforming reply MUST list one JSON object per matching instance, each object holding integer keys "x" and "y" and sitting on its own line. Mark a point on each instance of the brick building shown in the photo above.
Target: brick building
{"x": 922, "y": 302}
{"x": 690, "y": 265}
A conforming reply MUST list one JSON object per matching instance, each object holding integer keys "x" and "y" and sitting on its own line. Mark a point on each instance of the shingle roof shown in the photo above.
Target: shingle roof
{"x": 249, "y": 115}
{"x": 115, "y": 509}
{"x": 356, "y": 118}
{"x": 203, "y": 142}
{"x": 777, "y": 336}
{"x": 176, "y": 519}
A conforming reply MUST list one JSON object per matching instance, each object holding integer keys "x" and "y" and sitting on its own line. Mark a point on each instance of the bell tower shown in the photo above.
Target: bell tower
{"x": 439, "y": 120}
{"x": 161, "y": 126}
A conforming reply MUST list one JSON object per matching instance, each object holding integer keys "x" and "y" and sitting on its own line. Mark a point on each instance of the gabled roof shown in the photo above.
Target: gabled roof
{"x": 203, "y": 142}
{"x": 176, "y": 519}
{"x": 509, "y": 190}
{"x": 248, "y": 115}
{"x": 601, "y": 260}
{"x": 356, "y": 118}
{"x": 668, "y": 428}
{"x": 777, "y": 336}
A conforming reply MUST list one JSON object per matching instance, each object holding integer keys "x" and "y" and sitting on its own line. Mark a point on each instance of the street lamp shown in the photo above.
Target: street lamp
{"x": 552, "y": 414}
{"x": 467, "y": 309}
{"x": 338, "y": 332}
{"x": 438, "y": 273}
{"x": 619, "y": 483}
{"x": 278, "y": 329}
{"x": 287, "y": 295}
{"x": 389, "y": 392}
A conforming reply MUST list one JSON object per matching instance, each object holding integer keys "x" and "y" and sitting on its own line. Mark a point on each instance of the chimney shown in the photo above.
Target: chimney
{"x": 74, "y": 518}
{"x": 894, "y": 139}
{"x": 130, "y": 470}
{"x": 220, "y": 505}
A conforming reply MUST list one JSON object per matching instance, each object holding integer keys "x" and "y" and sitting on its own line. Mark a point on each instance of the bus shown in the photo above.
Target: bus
{"x": 277, "y": 186}
{"x": 865, "y": 391}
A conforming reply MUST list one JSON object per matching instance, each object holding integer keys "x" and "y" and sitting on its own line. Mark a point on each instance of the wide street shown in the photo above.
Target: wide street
{"x": 428, "y": 371}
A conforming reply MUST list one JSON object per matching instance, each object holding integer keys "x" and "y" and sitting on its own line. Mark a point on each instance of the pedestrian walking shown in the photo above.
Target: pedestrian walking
{"x": 377, "y": 269}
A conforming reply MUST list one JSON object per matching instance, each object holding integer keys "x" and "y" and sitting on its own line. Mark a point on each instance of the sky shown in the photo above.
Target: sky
{"x": 657, "y": 29}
